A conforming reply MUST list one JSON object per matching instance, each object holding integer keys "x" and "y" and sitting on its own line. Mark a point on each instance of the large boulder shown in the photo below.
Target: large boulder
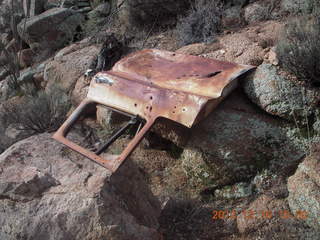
{"x": 69, "y": 65}
{"x": 80, "y": 90}
{"x": 50, "y": 192}
{"x": 297, "y": 6}
{"x": 235, "y": 142}
{"x": 304, "y": 189}
{"x": 50, "y": 30}
{"x": 279, "y": 96}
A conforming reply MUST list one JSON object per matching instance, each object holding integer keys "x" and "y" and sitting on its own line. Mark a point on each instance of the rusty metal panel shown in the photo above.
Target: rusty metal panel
{"x": 154, "y": 83}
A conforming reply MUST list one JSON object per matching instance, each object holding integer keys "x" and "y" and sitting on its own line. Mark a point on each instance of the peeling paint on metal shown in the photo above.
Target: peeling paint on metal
{"x": 154, "y": 83}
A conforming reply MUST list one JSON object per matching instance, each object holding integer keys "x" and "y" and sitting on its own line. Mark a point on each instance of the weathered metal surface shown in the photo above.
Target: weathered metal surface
{"x": 153, "y": 83}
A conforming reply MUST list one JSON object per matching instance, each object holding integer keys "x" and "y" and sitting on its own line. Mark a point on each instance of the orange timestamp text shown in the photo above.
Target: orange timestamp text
{"x": 263, "y": 214}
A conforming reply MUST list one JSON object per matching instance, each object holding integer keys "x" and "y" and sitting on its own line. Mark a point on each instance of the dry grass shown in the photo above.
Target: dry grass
{"x": 201, "y": 24}
{"x": 44, "y": 112}
{"x": 299, "y": 52}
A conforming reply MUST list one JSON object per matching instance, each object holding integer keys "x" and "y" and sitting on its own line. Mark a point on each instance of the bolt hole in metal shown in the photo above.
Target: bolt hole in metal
{"x": 151, "y": 97}
{"x": 135, "y": 105}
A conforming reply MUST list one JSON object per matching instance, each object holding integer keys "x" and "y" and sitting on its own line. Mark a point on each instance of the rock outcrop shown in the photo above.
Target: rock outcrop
{"x": 304, "y": 189}
{"x": 280, "y": 96}
{"x": 50, "y": 30}
{"x": 69, "y": 65}
{"x": 234, "y": 142}
{"x": 50, "y": 192}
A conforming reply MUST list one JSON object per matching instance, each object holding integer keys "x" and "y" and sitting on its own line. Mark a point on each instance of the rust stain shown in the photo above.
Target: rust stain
{"x": 154, "y": 83}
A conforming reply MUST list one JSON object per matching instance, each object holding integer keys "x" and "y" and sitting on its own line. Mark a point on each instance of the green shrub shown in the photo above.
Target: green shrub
{"x": 44, "y": 112}
{"x": 299, "y": 52}
{"x": 201, "y": 24}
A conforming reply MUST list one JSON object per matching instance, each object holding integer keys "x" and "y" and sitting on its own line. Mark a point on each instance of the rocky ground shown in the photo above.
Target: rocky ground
{"x": 250, "y": 170}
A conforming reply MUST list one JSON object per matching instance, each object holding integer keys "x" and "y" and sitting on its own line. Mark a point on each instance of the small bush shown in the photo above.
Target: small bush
{"x": 10, "y": 15}
{"x": 44, "y": 112}
{"x": 201, "y": 24}
{"x": 299, "y": 52}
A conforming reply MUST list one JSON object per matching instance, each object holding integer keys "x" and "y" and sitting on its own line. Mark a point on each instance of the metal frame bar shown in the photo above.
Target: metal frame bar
{"x": 114, "y": 137}
{"x": 112, "y": 162}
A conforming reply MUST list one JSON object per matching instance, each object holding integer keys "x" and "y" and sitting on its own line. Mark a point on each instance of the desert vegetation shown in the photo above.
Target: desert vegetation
{"x": 194, "y": 28}
{"x": 257, "y": 152}
{"x": 40, "y": 112}
{"x": 298, "y": 50}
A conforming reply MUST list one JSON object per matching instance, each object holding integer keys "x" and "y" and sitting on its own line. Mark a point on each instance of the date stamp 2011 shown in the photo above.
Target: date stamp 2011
{"x": 264, "y": 214}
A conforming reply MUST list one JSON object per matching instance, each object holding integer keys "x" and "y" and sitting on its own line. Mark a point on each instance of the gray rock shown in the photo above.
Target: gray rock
{"x": 50, "y": 30}
{"x": 69, "y": 65}
{"x": 235, "y": 142}
{"x": 296, "y": 6}
{"x": 279, "y": 96}
{"x": 304, "y": 190}
{"x": 49, "y": 192}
